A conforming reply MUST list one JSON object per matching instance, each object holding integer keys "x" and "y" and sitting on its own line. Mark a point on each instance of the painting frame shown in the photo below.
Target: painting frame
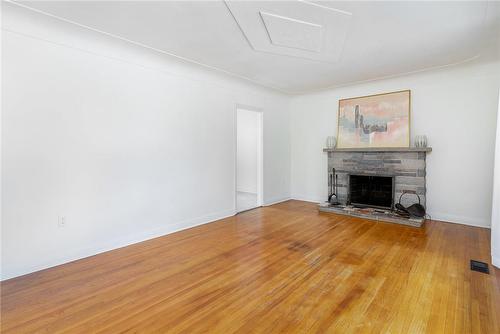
{"x": 343, "y": 144}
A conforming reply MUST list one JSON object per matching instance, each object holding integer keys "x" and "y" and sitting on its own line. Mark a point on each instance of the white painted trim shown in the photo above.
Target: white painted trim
{"x": 260, "y": 162}
{"x": 462, "y": 220}
{"x": 326, "y": 7}
{"x": 213, "y": 68}
{"x": 391, "y": 76}
{"x": 307, "y": 198}
{"x": 217, "y": 69}
{"x": 121, "y": 242}
{"x": 454, "y": 219}
{"x": 276, "y": 201}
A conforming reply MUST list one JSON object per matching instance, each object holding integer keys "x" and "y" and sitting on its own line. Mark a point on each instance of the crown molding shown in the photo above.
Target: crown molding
{"x": 171, "y": 54}
{"x": 386, "y": 77}
{"x": 244, "y": 78}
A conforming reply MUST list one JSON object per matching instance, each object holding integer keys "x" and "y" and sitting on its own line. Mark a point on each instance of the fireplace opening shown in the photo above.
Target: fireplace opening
{"x": 371, "y": 191}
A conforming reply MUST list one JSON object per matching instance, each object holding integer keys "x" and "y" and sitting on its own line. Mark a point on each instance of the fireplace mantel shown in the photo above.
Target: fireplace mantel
{"x": 380, "y": 149}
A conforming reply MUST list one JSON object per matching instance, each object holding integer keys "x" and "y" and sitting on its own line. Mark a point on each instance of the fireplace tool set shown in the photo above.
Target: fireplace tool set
{"x": 332, "y": 197}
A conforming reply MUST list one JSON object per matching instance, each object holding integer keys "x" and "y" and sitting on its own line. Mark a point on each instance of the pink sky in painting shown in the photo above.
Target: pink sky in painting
{"x": 388, "y": 109}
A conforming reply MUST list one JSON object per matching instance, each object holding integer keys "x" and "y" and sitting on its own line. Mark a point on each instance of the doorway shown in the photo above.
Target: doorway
{"x": 249, "y": 148}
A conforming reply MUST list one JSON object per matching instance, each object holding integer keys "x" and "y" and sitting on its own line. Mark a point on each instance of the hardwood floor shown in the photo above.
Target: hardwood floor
{"x": 284, "y": 268}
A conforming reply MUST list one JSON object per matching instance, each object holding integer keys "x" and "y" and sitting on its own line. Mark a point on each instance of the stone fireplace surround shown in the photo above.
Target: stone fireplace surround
{"x": 407, "y": 165}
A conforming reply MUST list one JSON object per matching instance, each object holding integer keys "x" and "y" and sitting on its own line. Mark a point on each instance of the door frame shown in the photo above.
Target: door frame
{"x": 260, "y": 154}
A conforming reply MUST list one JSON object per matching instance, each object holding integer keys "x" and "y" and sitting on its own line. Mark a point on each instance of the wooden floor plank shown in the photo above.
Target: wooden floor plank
{"x": 284, "y": 268}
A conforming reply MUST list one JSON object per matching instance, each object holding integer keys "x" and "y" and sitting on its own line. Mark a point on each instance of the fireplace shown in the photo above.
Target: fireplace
{"x": 371, "y": 191}
{"x": 376, "y": 178}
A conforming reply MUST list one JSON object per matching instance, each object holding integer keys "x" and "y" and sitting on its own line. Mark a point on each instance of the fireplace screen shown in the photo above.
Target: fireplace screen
{"x": 371, "y": 191}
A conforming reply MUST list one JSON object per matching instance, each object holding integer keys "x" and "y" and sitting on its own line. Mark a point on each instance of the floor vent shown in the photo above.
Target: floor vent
{"x": 479, "y": 266}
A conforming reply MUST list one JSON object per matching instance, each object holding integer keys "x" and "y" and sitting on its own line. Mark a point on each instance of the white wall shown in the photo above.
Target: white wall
{"x": 455, "y": 107}
{"x": 124, "y": 142}
{"x": 495, "y": 214}
{"x": 1, "y": 138}
{"x": 247, "y": 150}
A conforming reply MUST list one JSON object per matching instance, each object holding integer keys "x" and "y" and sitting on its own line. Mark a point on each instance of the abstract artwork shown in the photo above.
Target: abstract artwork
{"x": 381, "y": 120}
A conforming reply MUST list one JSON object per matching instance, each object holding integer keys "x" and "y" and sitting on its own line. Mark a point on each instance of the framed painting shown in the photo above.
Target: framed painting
{"x": 381, "y": 120}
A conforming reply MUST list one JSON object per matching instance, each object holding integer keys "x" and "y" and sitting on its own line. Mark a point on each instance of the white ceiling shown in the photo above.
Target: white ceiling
{"x": 297, "y": 46}
{"x": 317, "y": 33}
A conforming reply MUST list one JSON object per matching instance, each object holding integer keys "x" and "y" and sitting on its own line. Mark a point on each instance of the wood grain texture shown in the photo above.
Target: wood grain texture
{"x": 284, "y": 268}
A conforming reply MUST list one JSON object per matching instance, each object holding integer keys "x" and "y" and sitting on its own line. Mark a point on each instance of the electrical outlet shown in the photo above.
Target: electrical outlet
{"x": 61, "y": 222}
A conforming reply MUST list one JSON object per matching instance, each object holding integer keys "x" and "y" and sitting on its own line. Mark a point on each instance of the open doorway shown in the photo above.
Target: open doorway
{"x": 249, "y": 147}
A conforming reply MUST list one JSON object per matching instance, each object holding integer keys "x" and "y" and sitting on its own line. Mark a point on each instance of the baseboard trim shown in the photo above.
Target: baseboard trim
{"x": 462, "y": 220}
{"x": 119, "y": 243}
{"x": 182, "y": 225}
{"x": 276, "y": 201}
{"x": 311, "y": 199}
{"x": 454, "y": 219}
